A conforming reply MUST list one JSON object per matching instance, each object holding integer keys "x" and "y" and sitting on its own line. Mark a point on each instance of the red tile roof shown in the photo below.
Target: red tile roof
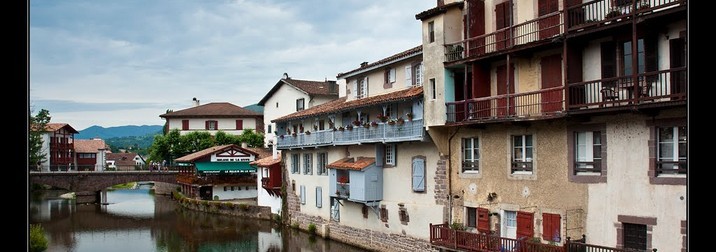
{"x": 349, "y": 163}
{"x": 214, "y": 109}
{"x": 399, "y": 56}
{"x": 90, "y": 145}
{"x": 52, "y": 127}
{"x": 122, "y": 159}
{"x": 340, "y": 105}
{"x": 438, "y": 10}
{"x": 267, "y": 161}
{"x": 211, "y": 150}
{"x": 312, "y": 88}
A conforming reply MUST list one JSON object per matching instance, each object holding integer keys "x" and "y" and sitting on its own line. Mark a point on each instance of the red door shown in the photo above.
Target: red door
{"x": 548, "y": 26}
{"x": 505, "y": 105}
{"x": 476, "y": 26}
{"x": 551, "y": 77}
{"x": 503, "y": 18}
{"x": 525, "y": 224}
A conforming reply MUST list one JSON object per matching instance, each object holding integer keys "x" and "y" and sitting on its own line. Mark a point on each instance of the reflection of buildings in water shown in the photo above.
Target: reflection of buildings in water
{"x": 270, "y": 241}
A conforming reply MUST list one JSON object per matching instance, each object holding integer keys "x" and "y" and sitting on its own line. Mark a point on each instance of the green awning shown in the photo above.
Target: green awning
{"x": 224, "y": 167}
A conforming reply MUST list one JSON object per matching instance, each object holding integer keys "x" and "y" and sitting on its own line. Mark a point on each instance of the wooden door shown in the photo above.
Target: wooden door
{"x": 551, "y": 77}
{"x": 503, "y": 19}
{"x": 548, "y": 26}
{"x": 505, "y": 105}
{"x": 476, "y": 26}
{"x": 525, "y": 222}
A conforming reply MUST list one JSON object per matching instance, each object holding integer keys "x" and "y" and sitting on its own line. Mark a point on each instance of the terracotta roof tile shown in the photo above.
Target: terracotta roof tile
{"x": 313, "y": 88}
{"x": 211, "y": 150}
{"x": 122, "y": 159}
{"x": 401, "y": 55}
{"x": 438, "y": 10}
{"x": 52, "y": 127}
{"x": 349, "y": 163}
{"x": 341, "y": 104}
{"x": 214, "y": 109}
{"x": 89, "y": 145}
{"x": 267, "y": 161}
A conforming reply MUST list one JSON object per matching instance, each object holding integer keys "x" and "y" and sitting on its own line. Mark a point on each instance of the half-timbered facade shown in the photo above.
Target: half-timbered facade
{"x": 58, "y": 147}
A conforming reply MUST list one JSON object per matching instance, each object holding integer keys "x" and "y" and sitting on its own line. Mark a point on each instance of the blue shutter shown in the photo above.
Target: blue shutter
{"x": 303, "y": 194}
{"x": 419, "y": 175}
{"x": 319, "y": 197}
{"x": 379, "y": 155}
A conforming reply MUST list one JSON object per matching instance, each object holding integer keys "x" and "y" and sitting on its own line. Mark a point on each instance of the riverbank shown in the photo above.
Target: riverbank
{"x": 242, "y": 208}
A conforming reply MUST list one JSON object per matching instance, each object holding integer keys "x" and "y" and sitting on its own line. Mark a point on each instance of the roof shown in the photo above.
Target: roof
{"x": 349, "y": 163}
{"x": 438, "y": 10}
{"x": 122, "y": 159}
{"x": 224, "y": 167}
{"x": 312, "y": 88}
{"x": 267, "y": 161}
{"x": 89, "y": 145}
{"x": 52, "y": 127}
{"x": 214, "y": 109}
{"x": 341, "y": 104}
{"x": 418, "y": 50}
{"x": 211, "y": 150}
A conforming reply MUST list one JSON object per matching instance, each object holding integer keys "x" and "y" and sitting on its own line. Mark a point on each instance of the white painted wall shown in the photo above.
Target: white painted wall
{"x": 376, "y": 78}
{"x": 227, "y": 125}
{"x": 265, "y": 199}
{"x": 313, "y": 180}
{"x": 218, "y": 190}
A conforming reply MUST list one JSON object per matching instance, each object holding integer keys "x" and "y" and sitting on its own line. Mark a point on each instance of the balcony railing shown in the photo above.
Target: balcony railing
{"x": 543, "y": 28}
{"x": 545, "y": 102}
{"x": 653, "y": 87}
{"x": 409, "y": 130}
{"x": 603, "y": 12}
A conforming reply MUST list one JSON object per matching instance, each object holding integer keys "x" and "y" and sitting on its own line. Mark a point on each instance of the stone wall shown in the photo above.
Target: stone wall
{"x": 225, "y": 207}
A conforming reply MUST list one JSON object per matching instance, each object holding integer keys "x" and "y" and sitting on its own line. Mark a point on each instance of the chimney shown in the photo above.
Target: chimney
{"x": 196, "y": 101}
{"x": 363, "y": 64}
{"x": 331, "y": 86}
{"x": 285, "y": 76}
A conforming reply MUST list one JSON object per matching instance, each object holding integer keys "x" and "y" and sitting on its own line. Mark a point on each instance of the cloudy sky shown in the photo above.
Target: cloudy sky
{"x": 115, "y": 63}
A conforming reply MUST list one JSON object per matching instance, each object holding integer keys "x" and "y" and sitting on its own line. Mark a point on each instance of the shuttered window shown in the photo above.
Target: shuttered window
{"x": 483, "y": 220}
{"x": 319, "y": 197}
{"x": 240, "y": 125}
{"x": 525, "y": 224}
{"x": 419, "y": 174}
{"x": 302, "y": 193}
{"x": 185, "y": 124}
{"x": 551, "y": 227}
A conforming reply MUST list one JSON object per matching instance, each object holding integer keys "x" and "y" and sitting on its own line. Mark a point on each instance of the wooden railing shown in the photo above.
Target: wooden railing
{"x": 539, "y": 103}
{"x": 604, "y": 12}
{"x": 408, "y": 130}
{"x": 539, "y": 29}
{"x": 442, "y": 236}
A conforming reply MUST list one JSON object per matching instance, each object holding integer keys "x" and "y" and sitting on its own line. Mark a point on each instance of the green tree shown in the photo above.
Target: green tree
{"x": 251, "y": 138}
{"x": 196, "y": 141}
{"x": 38, "y": 241}
{"x": 223, "y": 138}
{"x": 38, "y": 124}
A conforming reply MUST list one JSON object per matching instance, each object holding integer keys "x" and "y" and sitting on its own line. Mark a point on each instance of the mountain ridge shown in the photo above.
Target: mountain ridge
{"x": 96, "y": 131}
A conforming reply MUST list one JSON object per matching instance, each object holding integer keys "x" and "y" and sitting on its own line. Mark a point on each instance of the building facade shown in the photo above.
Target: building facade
{"x": 213, "y": 117}
{"x": 58, "y": 147}
{"x": 90, "y": 154}
{"x": 536, "y": 100}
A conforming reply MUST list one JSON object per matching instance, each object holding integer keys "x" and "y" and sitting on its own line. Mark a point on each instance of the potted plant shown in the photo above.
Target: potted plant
{"x": 374, "y": 124}
{"x": 341, "y": 128}
{"x": 400, "y": 121}
{"x": 343, "y": 179}
{"x": 308, "y": 132}
{"x": 366, "y": 125}
{"x": 356, "y": 123}
{"x": 382, "y": 117}
{"x": 392, "y": 122}
{"x": 410, "y": 116}
{"x": 349, "y": 127}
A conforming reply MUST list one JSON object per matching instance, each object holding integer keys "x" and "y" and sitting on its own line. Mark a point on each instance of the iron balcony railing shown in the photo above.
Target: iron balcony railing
{"x": 409, "y": 130}
{"x": 604, "y": 12}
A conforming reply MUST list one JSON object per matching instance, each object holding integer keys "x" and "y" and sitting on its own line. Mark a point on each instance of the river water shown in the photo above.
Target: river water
{"x": 139, "y": 221}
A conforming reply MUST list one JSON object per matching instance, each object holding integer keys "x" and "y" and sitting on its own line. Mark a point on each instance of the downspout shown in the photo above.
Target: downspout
{"x": 449, "y": 175}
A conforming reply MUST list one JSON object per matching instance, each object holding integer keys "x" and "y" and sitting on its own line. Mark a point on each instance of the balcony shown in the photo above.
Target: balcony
{"x": 409, "y": 130}
{"x": 658, "y": 88}
{"x": 528, "y": 105}
{"x": 526, "y": 34}
{"x": 596, "y": 14}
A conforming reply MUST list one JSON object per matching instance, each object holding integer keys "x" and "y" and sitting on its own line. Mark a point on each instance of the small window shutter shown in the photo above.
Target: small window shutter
{"x": 525, "y": 222}
{"x": 240, "y": 125}
{"x": 365, "y": 87}
{"x": 483, "y": 220}
{"x": 551, "y": 227}
{"x": 419, "y": 75}
{"x": 419, "y": 175}
{"x": 206, "y": 125}
{"x": 355, "y": 88}
{"x": 185, "y": 124}
{"x": 408, "y": 76}
{"x": 379, "y": 155}
{"x": 319, "y": 197}
{"x": 303, "y": 194}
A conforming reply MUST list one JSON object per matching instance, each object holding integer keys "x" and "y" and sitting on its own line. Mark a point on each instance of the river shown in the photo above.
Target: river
{"x": 137, "y": 220}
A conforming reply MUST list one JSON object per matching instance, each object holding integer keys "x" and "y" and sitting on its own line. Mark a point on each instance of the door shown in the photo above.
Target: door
{"x": 510, "y": 225}
{"x": 505, "y": 105}
{"x": 548, "y": 26}
{"x": 525, "y": 224}
{"x": 503, "y": 19}
{"x": 476, "y": 26}
{"x": 551, "y": 67}
{"x": 677, "y": 54}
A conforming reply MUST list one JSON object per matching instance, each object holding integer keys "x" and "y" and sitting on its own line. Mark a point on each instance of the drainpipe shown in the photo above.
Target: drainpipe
{"x": 449, "y": 175}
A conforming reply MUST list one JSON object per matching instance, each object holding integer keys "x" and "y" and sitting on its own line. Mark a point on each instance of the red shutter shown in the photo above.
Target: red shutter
{"x": 239, "y": 124}
{"x": 483, "y": 220}
{"x": 551, "y": 226}
{"x": 551, "y": 77}
{"x": 185, "y": 124}
{"x": 525, "y": 224}
{"x": 206, "y": 125}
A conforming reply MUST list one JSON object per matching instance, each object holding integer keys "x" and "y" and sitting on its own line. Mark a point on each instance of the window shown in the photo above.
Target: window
{"x": 433, "y": 91}
{"x": 319, "y": 197}
{"x": 308, "y": 163}
{"x": 634, "y": 236}
{"x": 360, "y": 87}
{"x": 390, "y": 76}
{"x": 587, "y": 152}
{"x": 211, "y": 125}
{"x": 419, "y": 174}
{"x": 239, "y": 124}
{"x": 522, "y": 153}
{"x": 671, "y": 149}
{"x": 418, "y": 74}
{"x": 294, "y": 163}
{"x": 300, "y": 104}
{"x": 471, "y": 155}
{"x": 551, "y": 227}
{"x": 269, "y": 129}
{"x": 185, "y": 124}
{"x": 471, "y": 213}
{"x": 431, "y": 31}
{"x": 277, "y": 104}
{"x": 390, "y": 154}
{"x": 383, "y": 213}
{"x": 322, "y": 162}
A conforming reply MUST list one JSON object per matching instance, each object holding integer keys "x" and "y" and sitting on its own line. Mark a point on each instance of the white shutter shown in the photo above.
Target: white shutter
{"x": 302, "y": 191}
{"x": 364, "y": 87}
{"x": 408, "y": 76}
{"x": 355, "y": 88}
{"x": 319, "y": 197}
{"x": 418, "y": 175}
{"x": 419, "y": 75}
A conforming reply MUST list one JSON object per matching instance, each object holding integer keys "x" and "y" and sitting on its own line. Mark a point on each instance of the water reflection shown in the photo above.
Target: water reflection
{"x": 137, "y": 220}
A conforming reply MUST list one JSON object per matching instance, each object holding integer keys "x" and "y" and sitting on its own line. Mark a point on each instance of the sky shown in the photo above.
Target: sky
{"x": 116, "y": 63}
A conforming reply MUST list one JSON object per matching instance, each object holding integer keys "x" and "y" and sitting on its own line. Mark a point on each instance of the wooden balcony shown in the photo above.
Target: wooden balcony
{"x": 528, "y": 105}
{"x": 658, "y": 88}
{"x": 600, "y": 13}
{"x": 410, "y": 130}
{"x": 526, "y": 34}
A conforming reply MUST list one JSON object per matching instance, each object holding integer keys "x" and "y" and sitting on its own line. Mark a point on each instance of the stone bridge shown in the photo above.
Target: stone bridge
{"x": 87, "y": 185}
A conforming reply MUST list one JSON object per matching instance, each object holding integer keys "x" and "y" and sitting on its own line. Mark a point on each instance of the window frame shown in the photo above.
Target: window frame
{"x": 390, "y": 155}
{"x": 475, "y": 161}
{"x": 209, "y": 123}
{"x": 433, "y": 89}
{"x": 676, "y": 146}
{"x": 653, "y": 173}
{"x": 322, "y": 163}
{"x": 295, "y": 163}
{"x": 524, "y": 164}
{"x": 308, "y": 163}
{"x": 431, "y": 31}
{"x": 300, "y": 104}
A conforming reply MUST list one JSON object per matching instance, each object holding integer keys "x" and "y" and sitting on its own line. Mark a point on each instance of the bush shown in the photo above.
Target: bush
{"x": 312, "y": 228}
{"x": 243, "y": 206}
{"x": 457, "y": 226}
{"x": 38, "y": 241}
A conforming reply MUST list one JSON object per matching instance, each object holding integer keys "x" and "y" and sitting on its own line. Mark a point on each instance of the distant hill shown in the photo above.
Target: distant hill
{"x": 118, "y": 132}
